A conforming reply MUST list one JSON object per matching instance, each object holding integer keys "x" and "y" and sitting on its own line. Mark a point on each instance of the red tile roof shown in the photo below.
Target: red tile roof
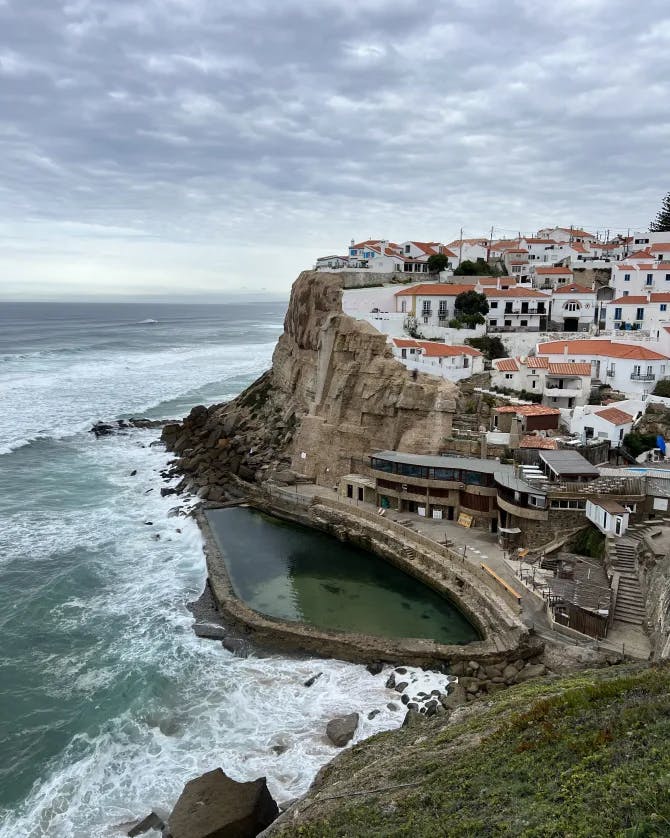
{"x": 570, "y": 368}
{"x": 660, "y": 247}
{"x": 535, "y": 362}
{"x": 528, "y": 410}
{"x": 404, "y": 343}
{"x": 614, "y": 415}
{"x": 506, "y": 365}
{"x": 516, "y": 291}
{"x": 533, "y": 441}
{"x": 573, "y": 288}
{"x": 600, "y": 347}
{"x": 654, "y": 266}
{"x": 641, "y": 299}
{"x": 553, "y": 270}
{"x": 434, "y": 289}
{"x": 432, "y": 349}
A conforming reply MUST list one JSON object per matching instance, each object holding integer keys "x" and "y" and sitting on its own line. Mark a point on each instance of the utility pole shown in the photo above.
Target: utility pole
{"x": 460, "y": 247}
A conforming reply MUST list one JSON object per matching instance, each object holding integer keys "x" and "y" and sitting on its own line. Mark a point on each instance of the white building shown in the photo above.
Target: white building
{"x": 611, "y": 423}
{"x": 638, "y": 311}
{"x": 329, "y": 263}
{"x": 630, "y": 278}
{"x": 469, "y": 249}
{"x": 453, "y": 363}
{"x": 627, "y": 367}
{"x": 431, "y": 304}
{"x": 608, "y": 516}
{"x": 573, "y": 308}
{"x": 566, "y": 234}
{"x": 516, "y": 309}
{"x": 562, "y": 384}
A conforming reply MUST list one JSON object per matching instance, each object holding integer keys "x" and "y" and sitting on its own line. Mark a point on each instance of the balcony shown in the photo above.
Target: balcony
{"x": 563, "y": 392}
{"x": 642, "y": 376}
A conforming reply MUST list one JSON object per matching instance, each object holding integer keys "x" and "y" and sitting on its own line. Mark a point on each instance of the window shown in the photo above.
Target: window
{"x": 493, "y": 322}
{"x": 524, "y": 322}
{"x": 639, "y": 314}
{"x": 650, "y": 279}
{"x": 626, "y": 277}
{"x": 617, "y": 314}
{"x": 625, "y": 293}
{"x": 425, "y": 310}
{"x": 353, "y": 251}
{"x": 667, "y": 277}
{"x": 443, "y": 308}
{"x": 495, "y": 304}
{"x": 664, "y": 307}
{"x": 573, "y": 305}
{"x": 407, "y": 248}
{"x": 516, "y": 269}
{"x": 650, "y": 370}
{"x": 533, "y": 383}
{"x": 508, "y": 322}
{"x": 509, "y": 376}
{"x": 403, "y": 306}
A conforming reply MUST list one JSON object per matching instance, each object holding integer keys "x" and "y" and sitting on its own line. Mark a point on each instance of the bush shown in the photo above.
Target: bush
{"x": 639, "y": 443}
{"x": 589, "y": 542}
{"x": 491, "y": 348}
{"x": 662, "y": 388}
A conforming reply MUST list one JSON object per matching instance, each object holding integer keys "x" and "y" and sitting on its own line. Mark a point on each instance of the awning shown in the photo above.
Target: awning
{"x": 509, "y": 530}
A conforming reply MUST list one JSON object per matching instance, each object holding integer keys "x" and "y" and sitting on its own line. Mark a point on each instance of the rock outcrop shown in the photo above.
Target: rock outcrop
{"x": 215, "y": 806}
{"x": 334, "y": 394}
{"x": 341, "y": 731}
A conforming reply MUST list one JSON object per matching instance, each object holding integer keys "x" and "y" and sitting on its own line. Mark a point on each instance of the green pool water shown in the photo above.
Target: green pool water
{"x": 295, "y": 573}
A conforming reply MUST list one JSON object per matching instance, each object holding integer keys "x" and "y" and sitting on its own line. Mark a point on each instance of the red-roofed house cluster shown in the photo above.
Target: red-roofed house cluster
{"x": 453, "y": 363}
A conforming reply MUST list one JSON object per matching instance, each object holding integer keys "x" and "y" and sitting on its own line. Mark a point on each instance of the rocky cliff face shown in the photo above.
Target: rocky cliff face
{"x": 334, "y": 394}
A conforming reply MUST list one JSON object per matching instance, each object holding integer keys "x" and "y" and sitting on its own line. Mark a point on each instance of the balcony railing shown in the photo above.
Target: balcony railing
{"x": 642, "y": 376}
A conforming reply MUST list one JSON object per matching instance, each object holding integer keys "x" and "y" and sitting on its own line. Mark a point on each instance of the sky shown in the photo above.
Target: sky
{"x": 154, "y": 148}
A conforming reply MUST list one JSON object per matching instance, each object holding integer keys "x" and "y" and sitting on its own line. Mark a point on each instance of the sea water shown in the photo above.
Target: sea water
{"x": 108, "y": 701}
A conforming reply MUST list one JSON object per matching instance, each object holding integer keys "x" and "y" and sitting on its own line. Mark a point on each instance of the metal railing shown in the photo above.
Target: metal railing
{"x": 642, "y": 376}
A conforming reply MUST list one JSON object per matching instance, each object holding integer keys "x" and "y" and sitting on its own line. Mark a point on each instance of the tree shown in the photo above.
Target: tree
{"x": 470, "y": 302}
{"x": 492, "y": 348}
{"x": 479, "y": 268}
{"x": 661, "y": 223}
{"x": 438, "y": 262}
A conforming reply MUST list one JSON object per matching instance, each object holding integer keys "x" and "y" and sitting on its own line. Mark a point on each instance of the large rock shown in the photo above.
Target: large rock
{"x": 215, "y": 806}
{"x": 154, "y": 820}
{"x": 340, "y": 731}
{"x": 533, "y": 670}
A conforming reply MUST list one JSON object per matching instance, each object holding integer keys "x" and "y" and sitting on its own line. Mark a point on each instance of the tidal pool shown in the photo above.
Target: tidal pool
{"x": 296, "y": 573}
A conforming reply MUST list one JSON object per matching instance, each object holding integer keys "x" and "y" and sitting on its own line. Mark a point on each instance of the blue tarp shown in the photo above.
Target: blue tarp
{"x": 660, "y": 444}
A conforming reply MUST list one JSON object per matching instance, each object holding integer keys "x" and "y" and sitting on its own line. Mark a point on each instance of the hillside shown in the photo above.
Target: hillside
{"x": 583, "y": 755}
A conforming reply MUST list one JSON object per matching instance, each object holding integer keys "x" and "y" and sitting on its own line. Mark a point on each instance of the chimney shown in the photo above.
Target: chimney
{"x": 565, "y": 349}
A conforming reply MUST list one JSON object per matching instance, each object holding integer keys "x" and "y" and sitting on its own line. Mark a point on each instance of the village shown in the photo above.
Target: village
{"x": 559, "y": 345}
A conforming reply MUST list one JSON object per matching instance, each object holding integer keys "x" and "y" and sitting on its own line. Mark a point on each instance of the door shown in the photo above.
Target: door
{"x": 450, "y": 513}
{"x": 570, "y": 324}
{"x": 360, "y": 493}
{"x": 350, "y": 490}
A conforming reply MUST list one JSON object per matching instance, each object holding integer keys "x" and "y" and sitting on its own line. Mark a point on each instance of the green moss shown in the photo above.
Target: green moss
{"x": 583, "y": 756}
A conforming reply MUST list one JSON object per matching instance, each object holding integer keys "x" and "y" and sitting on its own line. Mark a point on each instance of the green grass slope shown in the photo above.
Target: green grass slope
{"x": 584, "y": 755}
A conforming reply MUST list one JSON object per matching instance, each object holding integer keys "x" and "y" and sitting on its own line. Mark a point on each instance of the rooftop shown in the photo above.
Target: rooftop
{"x": 565, "y": 463}
{"x": 443, "y": 461}
{"x": 529, "y": 410}
{"x": 599, "y": 347}
{"x": 614, "y": 415}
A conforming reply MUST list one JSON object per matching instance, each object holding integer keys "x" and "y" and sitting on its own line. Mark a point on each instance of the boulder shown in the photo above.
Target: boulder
{"x": 392, "y": 706}
{"x": 209, "y": 632}
{"x": 509, "y": 672}
{"x": 412, "y": 718}
{"x": 154, "y": 820}
{"x": 310, "y": 681}
{"x": 455, "y": 698}
{"x": 470, "y": 685}
{"x": 374, "y": 668}
{"x": 341, "y": 730}
{"x": 215, "y": 806}
{"x": 373, "y": 713}
{"x": 402, "y": 686}
{"x": 390, "y": 682}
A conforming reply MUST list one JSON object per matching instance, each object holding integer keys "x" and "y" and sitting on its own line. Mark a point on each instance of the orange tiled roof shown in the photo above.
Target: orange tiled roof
{"x": 641, "y": 299}
{"x": 529, "y": 410}
{"x": 432, "y": 349}
{"x": 606, "y": 348}
{"x": 614, "y": 415}
{"x": 660, "y": 247}
{"x": 533, "y": 441}
{"x": 570, "y": 368}
{"x": 434, "y": 289}
{"x": 553, "y": 270}
{"x": 573, "y": 288}
{"x": 516, "y": 291}
{"x": 537, "y": 362}
{"x": 506, "y": 365}
{"x": 404, "y": 343}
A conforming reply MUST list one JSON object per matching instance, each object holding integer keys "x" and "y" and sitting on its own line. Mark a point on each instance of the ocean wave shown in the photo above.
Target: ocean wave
{"x": 158, "y": 705}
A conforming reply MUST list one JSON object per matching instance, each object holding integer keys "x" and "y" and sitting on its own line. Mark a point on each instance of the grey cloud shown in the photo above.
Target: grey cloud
{"x": 308, "y": 121}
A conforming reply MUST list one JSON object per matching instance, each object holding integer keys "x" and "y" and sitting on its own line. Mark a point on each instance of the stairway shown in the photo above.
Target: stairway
{"x": 629, "y": 607}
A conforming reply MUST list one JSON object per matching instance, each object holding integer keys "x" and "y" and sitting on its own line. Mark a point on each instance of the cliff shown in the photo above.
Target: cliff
{"x": 334, "y": 394}
{"x": 584, "y": 755}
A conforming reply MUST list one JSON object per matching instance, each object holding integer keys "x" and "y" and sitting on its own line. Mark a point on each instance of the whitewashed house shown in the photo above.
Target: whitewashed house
{"x": 638, "y": 312}
{"x": 516, "y": 309}
{"x": 573, "y": 308}
{"x": 541, "y": 250}
{"x": 562, "y": 384}
{"x": 469, "y": 249}
{"x": 330, "y": 263}
{"x": 453, "y": 363}
{"x": 610, "y": 517}
{"x": 629, "y": 279}
{"x": 612, "y": 422}
{"x": 566, "y": 234}
{"x": 431, "y": 304}
{"x": 630, "y": 368}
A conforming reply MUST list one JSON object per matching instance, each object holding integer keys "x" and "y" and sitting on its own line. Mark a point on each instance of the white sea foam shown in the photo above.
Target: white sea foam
{"x": 55, "y": 395}
{"x": 200, "y": 707}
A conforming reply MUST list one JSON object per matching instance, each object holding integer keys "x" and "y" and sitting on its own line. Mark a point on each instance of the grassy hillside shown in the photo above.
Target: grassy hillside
{"x": 584, "y": 755}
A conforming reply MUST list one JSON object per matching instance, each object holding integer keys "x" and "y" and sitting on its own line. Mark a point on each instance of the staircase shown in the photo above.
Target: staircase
{"x": 629, "y": 607}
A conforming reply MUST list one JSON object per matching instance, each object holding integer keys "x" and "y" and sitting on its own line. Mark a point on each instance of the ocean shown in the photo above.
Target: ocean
{"x": 108, "y": 701}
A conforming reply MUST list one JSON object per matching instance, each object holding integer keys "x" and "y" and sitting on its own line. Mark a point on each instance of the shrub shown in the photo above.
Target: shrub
{"x": 662, "y": 388}
{"x": 491, "y": 348}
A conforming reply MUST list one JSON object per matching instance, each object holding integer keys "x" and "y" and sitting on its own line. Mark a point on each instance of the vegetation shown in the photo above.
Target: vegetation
{"x": 585, "y": 756}
{"x": 491, "y": 348}
{"x": 662, "y": 221}
{"x": 437, "y": 262}
{"x": 638, "y": 443}
{"x": 527, "y": 395}
{"x": 589, "y": 542}
{"x": 479, "y": 268}
{"x": 470, "y": 308}
{"x": 662, "y": 388}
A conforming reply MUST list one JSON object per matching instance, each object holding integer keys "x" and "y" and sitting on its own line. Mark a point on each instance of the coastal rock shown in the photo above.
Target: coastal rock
{"x": 390, "y": 682}
{"x": 209, "y": 632}
{"x": 311, "y": 681}
{"x": 533, "y": 670}
{"x": 341, "y": 730}
{"x": 215, "y": 806}
{"x": 372, "y": 714}
{"x": 154, "y": 820}
{"x": 374, "y": 668}
{"x": 455, "y": 697}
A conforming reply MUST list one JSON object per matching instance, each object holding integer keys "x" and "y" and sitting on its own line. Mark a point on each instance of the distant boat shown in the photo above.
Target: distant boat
{"x": 147, "y": 322}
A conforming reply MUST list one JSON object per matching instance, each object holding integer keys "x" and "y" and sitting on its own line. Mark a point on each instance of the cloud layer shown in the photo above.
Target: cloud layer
{"x": 206, "y": 145}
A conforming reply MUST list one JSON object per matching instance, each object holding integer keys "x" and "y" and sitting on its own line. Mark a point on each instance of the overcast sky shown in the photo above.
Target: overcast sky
{"x": 200, "y": 146}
